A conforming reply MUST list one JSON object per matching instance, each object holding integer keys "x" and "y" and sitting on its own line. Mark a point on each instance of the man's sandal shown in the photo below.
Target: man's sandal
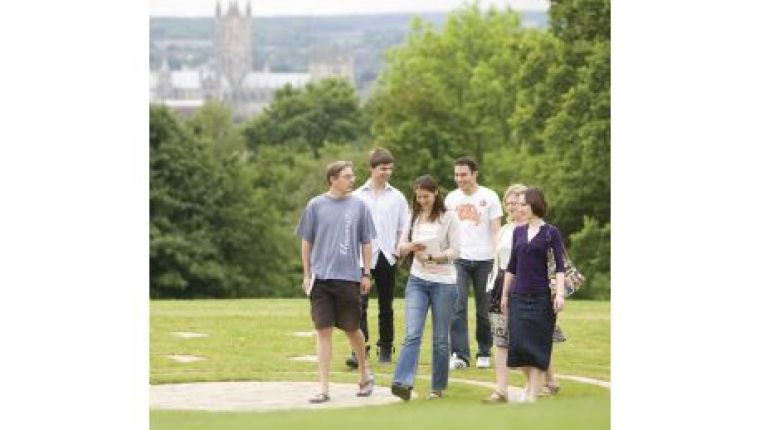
{"x": 366, "y": 387}
{"x": 495, "y": 398}
{"x": 320, "y": 398}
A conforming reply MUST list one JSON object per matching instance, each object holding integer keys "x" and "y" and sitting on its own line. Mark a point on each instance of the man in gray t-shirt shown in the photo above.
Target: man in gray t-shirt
{"x": 334, "y": 228}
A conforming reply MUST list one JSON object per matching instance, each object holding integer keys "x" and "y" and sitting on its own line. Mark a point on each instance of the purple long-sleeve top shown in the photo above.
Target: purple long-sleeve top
{"x": 528, "y": 260}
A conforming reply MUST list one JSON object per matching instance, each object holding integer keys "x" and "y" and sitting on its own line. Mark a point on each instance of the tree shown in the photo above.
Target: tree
{"x": 324, "y": 111}
{"x": 591, "y": 252}
{"x": 213, "y": 126}
{"x": 444, "y": 95}
{"x": 580, "y": 20}
{"x": 531, "y": 105}
{"x": 184, "y": 261}
{"x": 210, "y": 229}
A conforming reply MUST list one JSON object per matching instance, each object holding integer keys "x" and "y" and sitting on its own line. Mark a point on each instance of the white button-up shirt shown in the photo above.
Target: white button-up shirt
{"x": 389, "y": 211}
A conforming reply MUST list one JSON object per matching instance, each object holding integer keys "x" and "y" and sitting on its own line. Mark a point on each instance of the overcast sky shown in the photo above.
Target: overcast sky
{"x": 326, "y": 7}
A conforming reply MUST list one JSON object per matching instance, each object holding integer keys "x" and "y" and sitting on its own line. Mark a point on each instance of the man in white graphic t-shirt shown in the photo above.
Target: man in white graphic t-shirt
{"x": 479, "y": 212}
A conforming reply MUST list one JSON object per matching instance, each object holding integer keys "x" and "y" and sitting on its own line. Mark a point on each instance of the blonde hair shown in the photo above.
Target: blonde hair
{"x": 512, "y": 190}
{"x": 515, "y": 189}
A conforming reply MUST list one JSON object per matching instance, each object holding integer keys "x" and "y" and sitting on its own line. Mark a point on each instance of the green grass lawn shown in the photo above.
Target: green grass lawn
{"x": 252, "y": 340}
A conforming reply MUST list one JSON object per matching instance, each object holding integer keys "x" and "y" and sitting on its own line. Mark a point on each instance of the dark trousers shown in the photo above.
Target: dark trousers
{"x": 477, "y": 272}
{"x": 385, "y": 279}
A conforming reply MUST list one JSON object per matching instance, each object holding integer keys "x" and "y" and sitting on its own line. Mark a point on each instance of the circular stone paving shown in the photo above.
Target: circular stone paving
{"x": 260, "y": 396}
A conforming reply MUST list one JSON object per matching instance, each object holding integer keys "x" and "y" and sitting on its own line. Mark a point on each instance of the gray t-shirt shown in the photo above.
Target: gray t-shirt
{"x": 336, "y": 228}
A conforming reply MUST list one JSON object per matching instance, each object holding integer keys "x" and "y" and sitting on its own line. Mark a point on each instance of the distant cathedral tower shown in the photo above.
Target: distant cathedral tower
{"x": 232, "y": 44}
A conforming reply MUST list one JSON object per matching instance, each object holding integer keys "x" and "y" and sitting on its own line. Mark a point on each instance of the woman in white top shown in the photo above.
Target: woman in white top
{"x": 497, "y": 318}
{"x": 432, "y": 235}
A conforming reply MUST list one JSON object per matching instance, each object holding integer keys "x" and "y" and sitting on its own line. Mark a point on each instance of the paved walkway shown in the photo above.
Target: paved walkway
{"x": 259, "y": 396}
{"x": 269, "y": 396}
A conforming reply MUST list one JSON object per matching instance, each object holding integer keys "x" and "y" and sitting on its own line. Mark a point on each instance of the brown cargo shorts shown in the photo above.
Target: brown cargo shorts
{"x": 336, "y": 303}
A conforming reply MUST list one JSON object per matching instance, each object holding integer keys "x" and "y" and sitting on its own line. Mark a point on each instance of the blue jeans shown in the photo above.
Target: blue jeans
{"x": 421, "y": 295}
{"x": 477, "y": 271}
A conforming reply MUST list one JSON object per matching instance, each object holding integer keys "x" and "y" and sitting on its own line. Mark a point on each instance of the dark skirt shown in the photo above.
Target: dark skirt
{"x": 531, "y": 325}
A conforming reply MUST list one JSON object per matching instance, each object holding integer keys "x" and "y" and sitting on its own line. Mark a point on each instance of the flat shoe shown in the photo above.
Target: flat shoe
{"x": 549, "y": 390}
{"x": 495, "y": 398}
{"x": 320, "y": 398}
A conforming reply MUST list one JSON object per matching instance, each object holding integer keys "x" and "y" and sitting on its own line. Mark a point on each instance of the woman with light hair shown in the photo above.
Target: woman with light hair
{"x": 496, "y": 316}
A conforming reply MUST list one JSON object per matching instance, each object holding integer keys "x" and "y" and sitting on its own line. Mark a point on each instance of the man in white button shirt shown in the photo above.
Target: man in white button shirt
{"x": 389, "y": 211}
{"x": 479, "y": 212}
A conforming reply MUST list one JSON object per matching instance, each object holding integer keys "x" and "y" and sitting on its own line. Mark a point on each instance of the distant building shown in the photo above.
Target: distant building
{"x": 332, "y": 61}
{"x": 232, "y": 46}
{"x": 231, "y": 78}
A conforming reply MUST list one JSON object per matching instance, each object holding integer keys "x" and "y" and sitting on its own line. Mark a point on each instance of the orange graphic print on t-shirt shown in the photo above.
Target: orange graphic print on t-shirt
{"x": 467, "y": 211}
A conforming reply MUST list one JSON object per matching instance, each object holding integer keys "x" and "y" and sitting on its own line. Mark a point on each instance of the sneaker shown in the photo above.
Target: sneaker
{"x": 384, "y": 354}
{"x": 484, "y": 362}
{"x": 457, "y": 363}
{"x": 435, "y": 394}
{"x": 402, "y": 391}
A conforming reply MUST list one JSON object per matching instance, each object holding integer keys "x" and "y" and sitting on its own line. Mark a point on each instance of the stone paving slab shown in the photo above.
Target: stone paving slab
{"x": 188, "y": 334}
{"x": 185, "y": 358}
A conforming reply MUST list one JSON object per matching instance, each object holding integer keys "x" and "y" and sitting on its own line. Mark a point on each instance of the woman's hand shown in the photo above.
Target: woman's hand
{"x": 559, "y": 303}
{"x": 421, "y": 256}
{"x": 559, "y": 299}
{"x": 408, "y": 247}
{"x": 417, "y": 247}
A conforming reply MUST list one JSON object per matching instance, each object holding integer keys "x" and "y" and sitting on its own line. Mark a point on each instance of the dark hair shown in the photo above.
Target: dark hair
{"x": 535, "y": 198}
{"x": 334, "y": 169}
{"x": 379, "y": 156}
{"x": 427, "y": 183}
{"x": 467, "y": 161}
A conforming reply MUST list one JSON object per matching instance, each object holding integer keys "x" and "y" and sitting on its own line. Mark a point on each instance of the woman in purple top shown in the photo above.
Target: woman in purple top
{"x": 532, "y": 312}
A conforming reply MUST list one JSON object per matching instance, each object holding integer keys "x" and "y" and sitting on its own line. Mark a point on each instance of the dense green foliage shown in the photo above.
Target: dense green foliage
{"x": 326, "y": 111}
{"x": 208, "y": 226}
{"x": 532, "y": 105}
